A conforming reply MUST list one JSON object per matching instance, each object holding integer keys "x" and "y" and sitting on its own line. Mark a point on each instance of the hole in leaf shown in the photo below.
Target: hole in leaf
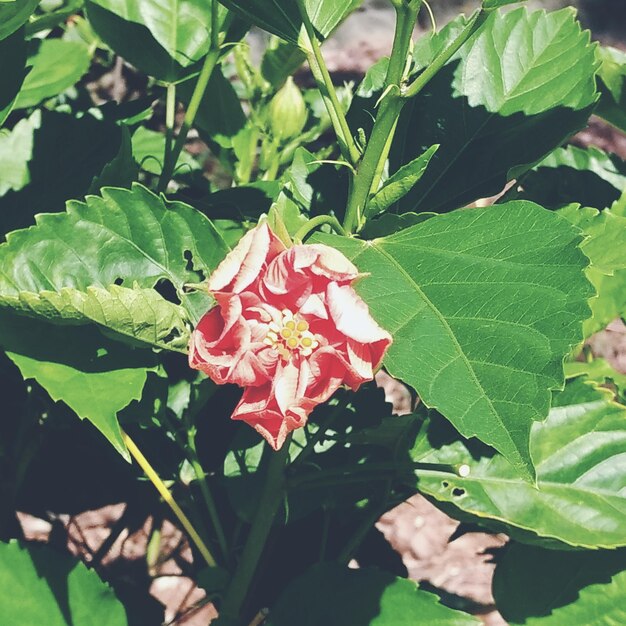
{"x": 172, "y": 335}
{"x": 166, "y": 289}
{"x": 118, "y": 281}
{"x": 445, "y": 484}
{"x": 188, "y": 256}
{"x": 457, "y": 492}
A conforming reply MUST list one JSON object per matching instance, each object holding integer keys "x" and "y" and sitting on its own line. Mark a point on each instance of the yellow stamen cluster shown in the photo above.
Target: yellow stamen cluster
{"x": 291, "y": 335}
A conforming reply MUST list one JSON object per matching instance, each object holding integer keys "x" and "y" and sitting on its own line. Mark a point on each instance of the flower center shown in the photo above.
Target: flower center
{"x": 291, "y": 335}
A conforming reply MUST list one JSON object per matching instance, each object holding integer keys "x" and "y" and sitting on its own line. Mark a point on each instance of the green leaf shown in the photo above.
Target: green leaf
{"x": 491, "y": 302}
{"x": 390, "y": 223}
{"x": 94, "y": 152}
{"x": 181, "y": 27}
{"x": 55, "y": 67}
{"x": 13, "y": 55}
{"x": 599, "y": 371}
{"x": 15, "y": 14}
{"x": 579, "y": 498}
{"x": 282, "y": 17}
{"x": 587, "y": 176}
{"x": 280, "y": 60}
{"x": 43, "y": 586}
{"x": 15, "y": 151}
{"x": 612, "y": 83}
{"x": 604, "y": 245}
{"x": 124, "y": 237}
{"x": 220, "y": 116}
{"x": 141, "y": 315}
{"x": 538, "y": 587}
{"x": 400, "y": 183}
{"x": 554, "y": 63}
{"x": 492, "y": 131}
{"x": 360, "y": 597}
{"x": 136, "y": 44}
{"x": 94, "y": 376}
{"x": 490, "y": 5}
{"x": 149, "y": 149}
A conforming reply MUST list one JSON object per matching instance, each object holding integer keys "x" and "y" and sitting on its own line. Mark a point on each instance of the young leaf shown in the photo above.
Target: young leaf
{"x": 400, "y": 183}
{"x": 536, "y": 587}
{"x": 333, "y": 595}
{"x": 578, "y": 454}
{"x": 280, "y": 60}
{"x": 43, "y": 586}
{"x": 56, "y": 66}
{"x": 483, "y": 306}
{"x": 15, "y": 14}
{"x": 282, "y": 17}
{"x": 131, "y": 236}
{"x": 94, "y": 376}
{"x": 491, "y": 131}
{"x": 140, "y": 315}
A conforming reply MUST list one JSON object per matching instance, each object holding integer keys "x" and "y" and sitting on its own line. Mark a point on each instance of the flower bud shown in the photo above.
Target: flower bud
{"x": 287, "y": 112}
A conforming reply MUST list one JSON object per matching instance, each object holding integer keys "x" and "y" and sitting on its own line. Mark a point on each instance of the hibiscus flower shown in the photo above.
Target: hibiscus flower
{"x": 289, "y": 328}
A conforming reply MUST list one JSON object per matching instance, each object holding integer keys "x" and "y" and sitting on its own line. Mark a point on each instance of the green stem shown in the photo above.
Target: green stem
{"x": 373, "y": 162}
{"x": 271, "y": 498}
{"x": 206, "y": 493}
{"x": 327, "y": 88}
{"x": 166, "y": 494}
{"x": 316, "y": 222}
{"x": 170, "y": 120}
{"x": 422, "y": 80}
{"x": 194, "y": 104}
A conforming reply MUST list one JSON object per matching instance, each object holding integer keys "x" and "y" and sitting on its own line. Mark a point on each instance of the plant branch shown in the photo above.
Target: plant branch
{"x": 210, "y": 62}
{"x": 325, "y": 84}
{"x": 166, "y": 494}
{"x": 316, "y": 222}
{"x": 206, "y": 492}
{"x": 445, "y": 55}
{"x": 372, "y": 165}
{"x": 271, "y": 497}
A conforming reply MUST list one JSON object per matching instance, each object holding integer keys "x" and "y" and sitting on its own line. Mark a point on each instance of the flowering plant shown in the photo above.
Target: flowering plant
{"x": 189, "y": 235}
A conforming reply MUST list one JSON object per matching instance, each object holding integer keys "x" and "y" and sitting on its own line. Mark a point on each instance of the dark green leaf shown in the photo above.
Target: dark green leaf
{"x": 130, "y": 237}
{"x": 536, "y": 587}
{"x": 92, "y": 151}
{"x": 181, "y": 27}
{"x": 55, "y": 67}
{"x": 612, "y": 75}
{"x": 149, "y": 149}
{"x": 578, "y": 453}
{"x": 337, "y": 596}
{"x": 220, "y": 116}
{"x": 94, "y": 376}
{"x": 13, "y": 55}
{"x": 280, "y": 60}
{"x": 43, "y": 586}
{"x": 589, "y": 177}
{"x": 492, "y": 131}
{"x": 136, "y": 44}
{"x": 15, "y": 14}
{"x": 483, "y": 306}
{"x": 282, "y": 17}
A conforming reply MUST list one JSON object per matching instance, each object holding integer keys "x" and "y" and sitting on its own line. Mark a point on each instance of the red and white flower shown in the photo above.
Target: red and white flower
{"x": 289, "y": 328}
